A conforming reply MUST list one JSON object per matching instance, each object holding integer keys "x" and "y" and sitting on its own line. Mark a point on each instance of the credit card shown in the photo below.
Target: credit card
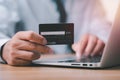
{"x": 58, "y": 33}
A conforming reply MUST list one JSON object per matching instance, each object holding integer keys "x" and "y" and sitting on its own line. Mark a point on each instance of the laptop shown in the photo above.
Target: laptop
{"x": 109, "y": 58}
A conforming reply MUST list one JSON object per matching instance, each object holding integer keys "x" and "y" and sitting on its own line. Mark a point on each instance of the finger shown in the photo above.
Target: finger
{"x": 31, "y": 36}
{"x": 83, "y": 43}
{"x": 99, "y": 47}
{"x": 29, "y": 46}
{"x": 91, "y": 45}
{"x": 19, "y": 62}
{"x": 80, "y": 46}
{"x": 74, "y": 47}
{"x": 27, "y": 55}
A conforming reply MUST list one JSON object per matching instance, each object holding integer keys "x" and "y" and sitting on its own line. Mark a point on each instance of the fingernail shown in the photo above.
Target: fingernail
{"x": 44, "y": 41}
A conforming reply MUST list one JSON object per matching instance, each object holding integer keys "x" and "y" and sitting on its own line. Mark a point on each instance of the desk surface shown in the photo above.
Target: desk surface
{"x": 56, "y": 73}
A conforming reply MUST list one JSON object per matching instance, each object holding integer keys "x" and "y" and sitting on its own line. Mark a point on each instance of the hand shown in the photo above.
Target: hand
{"x": 89, "y": 45}
{"x": 24, "y": 47}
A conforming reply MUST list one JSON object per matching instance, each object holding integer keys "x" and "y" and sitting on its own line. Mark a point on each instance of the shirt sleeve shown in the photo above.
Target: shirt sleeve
{"x": 100, "y": 26}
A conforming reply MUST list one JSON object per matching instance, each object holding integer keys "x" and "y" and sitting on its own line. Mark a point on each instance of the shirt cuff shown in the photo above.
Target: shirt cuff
{"x": 1, "y": 48}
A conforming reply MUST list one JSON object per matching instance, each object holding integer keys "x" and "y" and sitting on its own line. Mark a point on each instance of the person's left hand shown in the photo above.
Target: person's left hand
{"x": 89, "y": 45}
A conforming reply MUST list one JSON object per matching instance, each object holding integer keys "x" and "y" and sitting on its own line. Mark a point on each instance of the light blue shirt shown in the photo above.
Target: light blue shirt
{"x": 88, "y": 16}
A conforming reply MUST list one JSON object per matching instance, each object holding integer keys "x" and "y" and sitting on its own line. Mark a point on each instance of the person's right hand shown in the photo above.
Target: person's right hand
{"x": 88, "y": 45}
{"x": 24, "y": 47}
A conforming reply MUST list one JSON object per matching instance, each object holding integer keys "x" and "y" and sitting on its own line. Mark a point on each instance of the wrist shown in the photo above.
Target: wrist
{"x": 1, "y": 54}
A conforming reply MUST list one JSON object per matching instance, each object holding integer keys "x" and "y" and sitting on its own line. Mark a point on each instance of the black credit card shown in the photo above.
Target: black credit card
{"x": 59, "y": 33}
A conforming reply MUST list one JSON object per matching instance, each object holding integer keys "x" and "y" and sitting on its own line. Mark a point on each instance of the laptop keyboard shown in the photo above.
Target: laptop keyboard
{"x": 91, "y": 59}
{"x": 83, "y": 59}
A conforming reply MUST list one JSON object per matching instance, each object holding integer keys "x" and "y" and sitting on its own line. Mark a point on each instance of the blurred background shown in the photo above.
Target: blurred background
{"x": 110, "y": 8}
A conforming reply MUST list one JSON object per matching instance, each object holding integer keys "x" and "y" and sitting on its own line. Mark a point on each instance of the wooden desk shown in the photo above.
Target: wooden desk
{"x": 56, "y": 73}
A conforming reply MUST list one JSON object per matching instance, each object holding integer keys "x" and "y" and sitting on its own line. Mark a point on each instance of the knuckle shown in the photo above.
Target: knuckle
{"x": 30, "y": 34}
{"x": 32, "y": 46}
{"x": 14, "y": 44}
{"x": 94, "y": 39}
{"x": 101, "y": 42}
{"x": 12, "y": 61}
{"x": 82, "y": 42}
{"x": 13, "y": 54}
{"x": 85, "y": 36}
{"x": 19, "y": 33}
{"x": 32, "y": 55}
